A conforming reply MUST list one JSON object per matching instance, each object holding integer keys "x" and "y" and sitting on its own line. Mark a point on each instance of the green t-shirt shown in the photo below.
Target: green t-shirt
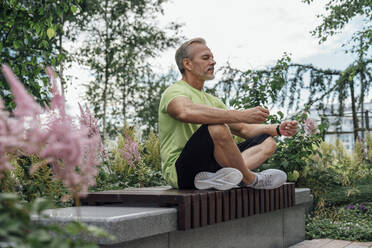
{"x": 173, "y": 133}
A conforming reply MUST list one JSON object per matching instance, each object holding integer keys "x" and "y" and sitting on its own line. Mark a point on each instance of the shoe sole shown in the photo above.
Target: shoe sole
{"x": 223, "y": 179}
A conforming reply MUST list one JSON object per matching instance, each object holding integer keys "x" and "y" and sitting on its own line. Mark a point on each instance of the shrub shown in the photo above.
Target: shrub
{"x": 130, "y": 163}
{"x": 348, "y": 222}
{"x": 294, "y": 153}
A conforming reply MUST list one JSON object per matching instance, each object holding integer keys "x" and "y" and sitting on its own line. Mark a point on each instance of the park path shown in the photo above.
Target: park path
{"x": 330, "y": 243}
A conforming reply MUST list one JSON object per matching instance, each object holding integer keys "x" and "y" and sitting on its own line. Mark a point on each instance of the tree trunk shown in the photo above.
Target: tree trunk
{"x": 63, "y": 83}
{"x": 354, "y": 110}
{"x": 104, "y": 96}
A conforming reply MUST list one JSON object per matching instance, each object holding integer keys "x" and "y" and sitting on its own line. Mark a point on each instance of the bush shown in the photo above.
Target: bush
{"x": 348, "y": 222}
{"x": 294, "y": 153}
{"x": 335, "y": 176}
{"x": 40, "y": 183}
{"x": 141, "y": 167}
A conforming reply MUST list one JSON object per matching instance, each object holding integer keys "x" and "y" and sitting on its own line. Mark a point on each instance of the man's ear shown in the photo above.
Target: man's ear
{"x": 187, "y": 64}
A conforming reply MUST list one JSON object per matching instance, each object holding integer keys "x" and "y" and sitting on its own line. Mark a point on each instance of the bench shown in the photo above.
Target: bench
{"x": 148, "y": 225}
{"x": 198, "y": 208}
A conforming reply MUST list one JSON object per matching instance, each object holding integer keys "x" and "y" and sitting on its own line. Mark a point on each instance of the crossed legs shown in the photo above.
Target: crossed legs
{"x": 227, "y": 153}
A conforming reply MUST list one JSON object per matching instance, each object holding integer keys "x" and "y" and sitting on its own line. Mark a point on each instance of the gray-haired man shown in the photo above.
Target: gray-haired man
{"x": 196, "y": 143}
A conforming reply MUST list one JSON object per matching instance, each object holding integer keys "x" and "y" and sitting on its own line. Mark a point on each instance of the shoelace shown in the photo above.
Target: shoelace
{"x": 266, "y": 180}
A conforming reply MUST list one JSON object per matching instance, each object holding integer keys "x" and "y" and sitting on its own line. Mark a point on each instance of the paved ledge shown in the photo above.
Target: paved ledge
{"x": 303, "y": 196}
{"x": 135, "y": 222}
{"x": 124, "y": 222}
{"x": 324, "y": 243}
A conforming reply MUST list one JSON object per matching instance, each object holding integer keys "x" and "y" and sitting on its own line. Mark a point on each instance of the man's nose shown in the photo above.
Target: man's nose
{"x": 213, "y": 62}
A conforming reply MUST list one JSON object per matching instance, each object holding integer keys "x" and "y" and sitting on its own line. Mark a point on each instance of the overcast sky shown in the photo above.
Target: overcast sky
{"x": 250, "y": 34}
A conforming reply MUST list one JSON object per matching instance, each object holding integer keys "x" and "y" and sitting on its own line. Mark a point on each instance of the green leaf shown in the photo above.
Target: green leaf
{"x": 73, "y": 8}
{"x": 40, "y": 236}
{"x": 40, "y": 204}
{"x": 51, "y": 33}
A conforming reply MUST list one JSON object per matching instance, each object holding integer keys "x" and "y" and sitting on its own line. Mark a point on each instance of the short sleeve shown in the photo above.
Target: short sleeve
{"x": 218, "y": 103}
{"x": 169, "y": 94}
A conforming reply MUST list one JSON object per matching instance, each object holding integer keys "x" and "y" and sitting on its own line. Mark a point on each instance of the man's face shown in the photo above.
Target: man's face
{"x": 202, "y": 62}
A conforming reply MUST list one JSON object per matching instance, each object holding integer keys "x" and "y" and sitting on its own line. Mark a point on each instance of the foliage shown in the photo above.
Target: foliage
{"x": 250, "y": 88}
{"x": 72, "y": 150}
{"x": 338, "y": 195}
{"x": 285, "y": 84}
{"x": 148, "y": 101}
{"x": 31, "y": 186}
{"x": 335, "y": 176}
{"x": 17, "y": 229}
{"x": 349, "y": 222}
{"x": 294, "y": 153}
{"x": 28, "y": 31}
{"x": 121, "y": 37}
{"x": 341, "y": 12}
{"x": 118, "y": 173}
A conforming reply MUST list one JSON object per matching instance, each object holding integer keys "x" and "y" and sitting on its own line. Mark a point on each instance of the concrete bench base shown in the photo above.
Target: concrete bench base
{"x": 280, "y": 228}
{"x": 156, "y": 227}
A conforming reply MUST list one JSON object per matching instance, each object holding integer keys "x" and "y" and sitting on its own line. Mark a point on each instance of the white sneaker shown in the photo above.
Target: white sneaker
{"x": 269, "y": 179}
{"x": 223, "y": 179}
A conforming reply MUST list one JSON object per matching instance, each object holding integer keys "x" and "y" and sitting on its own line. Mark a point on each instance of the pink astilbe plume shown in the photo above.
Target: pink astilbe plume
{"x": 58, "y": 100}
{"x": 310, "y": 126}
{"x": 130, "y": 151}
{"x": 25, "y": 104}
{"x": 71, "y": 149}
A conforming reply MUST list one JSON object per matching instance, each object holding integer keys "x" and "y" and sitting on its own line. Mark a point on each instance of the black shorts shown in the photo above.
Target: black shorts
{"x": 198, "y": 155}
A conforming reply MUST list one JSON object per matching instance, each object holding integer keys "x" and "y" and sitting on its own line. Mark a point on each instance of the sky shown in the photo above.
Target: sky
{"x": 249, "y": 34}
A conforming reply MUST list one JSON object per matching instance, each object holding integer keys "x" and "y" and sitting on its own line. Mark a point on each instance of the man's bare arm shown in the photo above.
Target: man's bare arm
{"x": 183, "y": 109}
{"x": 244, "y": 130}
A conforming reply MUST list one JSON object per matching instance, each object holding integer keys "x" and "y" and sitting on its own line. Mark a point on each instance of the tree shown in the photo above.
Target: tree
{"x": 285, "y": 84}
{"x": 339, "y": 13}
{"x": 121, "y": 36}
{"x": 28, "y": 42}
{"x": 342, "y": 12}
{"x": 149, "y": 99}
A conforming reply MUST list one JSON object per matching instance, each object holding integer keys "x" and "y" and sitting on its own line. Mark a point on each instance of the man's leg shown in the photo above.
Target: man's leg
{"x": 254, "y": 156}
{"x": 227, "y": 153}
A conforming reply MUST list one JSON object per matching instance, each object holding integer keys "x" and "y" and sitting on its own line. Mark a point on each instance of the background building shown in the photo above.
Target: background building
{"x": 341, "y": 127}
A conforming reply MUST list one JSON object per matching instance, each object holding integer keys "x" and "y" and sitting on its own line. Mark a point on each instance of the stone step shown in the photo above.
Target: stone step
{"x": 330, "y": 243}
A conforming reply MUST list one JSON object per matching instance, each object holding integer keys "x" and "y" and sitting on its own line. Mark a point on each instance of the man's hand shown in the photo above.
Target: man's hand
{"x": 288, "y": 128}
{"x": 256, "y": 115}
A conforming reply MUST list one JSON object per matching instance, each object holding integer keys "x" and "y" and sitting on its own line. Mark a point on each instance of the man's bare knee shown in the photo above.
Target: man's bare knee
{"x": 219, "y": 132}
{"x": 269, "y": 146}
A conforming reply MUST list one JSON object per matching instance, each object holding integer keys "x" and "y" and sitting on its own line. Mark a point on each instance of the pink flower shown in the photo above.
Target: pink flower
{"x": 71, "y": 149}
{"x": 310, "y": 126}
{"x": 130, "y": 151}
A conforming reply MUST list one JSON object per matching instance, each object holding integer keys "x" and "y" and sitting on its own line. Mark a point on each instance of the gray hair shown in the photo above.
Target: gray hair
{"x": 183, "y": 52}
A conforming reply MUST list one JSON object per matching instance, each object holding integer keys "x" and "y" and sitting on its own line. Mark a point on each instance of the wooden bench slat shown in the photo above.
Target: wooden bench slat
{"x": 203, "y": 209}
{"x": 272, "y": 199}
{"x": 256, "y": 201}
{"x": 239, "y": 203}
{"x": 211, "y": 208}
{"x": 245, "y": 202}
{"x": 251, "y": 200}
{"x": 219, "y": 207}
{"x": 195, "y": 211}
{"x": 226, "y": 205}
{"x": 184, "y": 213}
{"x": 232, "y": 204}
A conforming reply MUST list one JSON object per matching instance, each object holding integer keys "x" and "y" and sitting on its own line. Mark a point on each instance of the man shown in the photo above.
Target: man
{"x": 196, "y": 143}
